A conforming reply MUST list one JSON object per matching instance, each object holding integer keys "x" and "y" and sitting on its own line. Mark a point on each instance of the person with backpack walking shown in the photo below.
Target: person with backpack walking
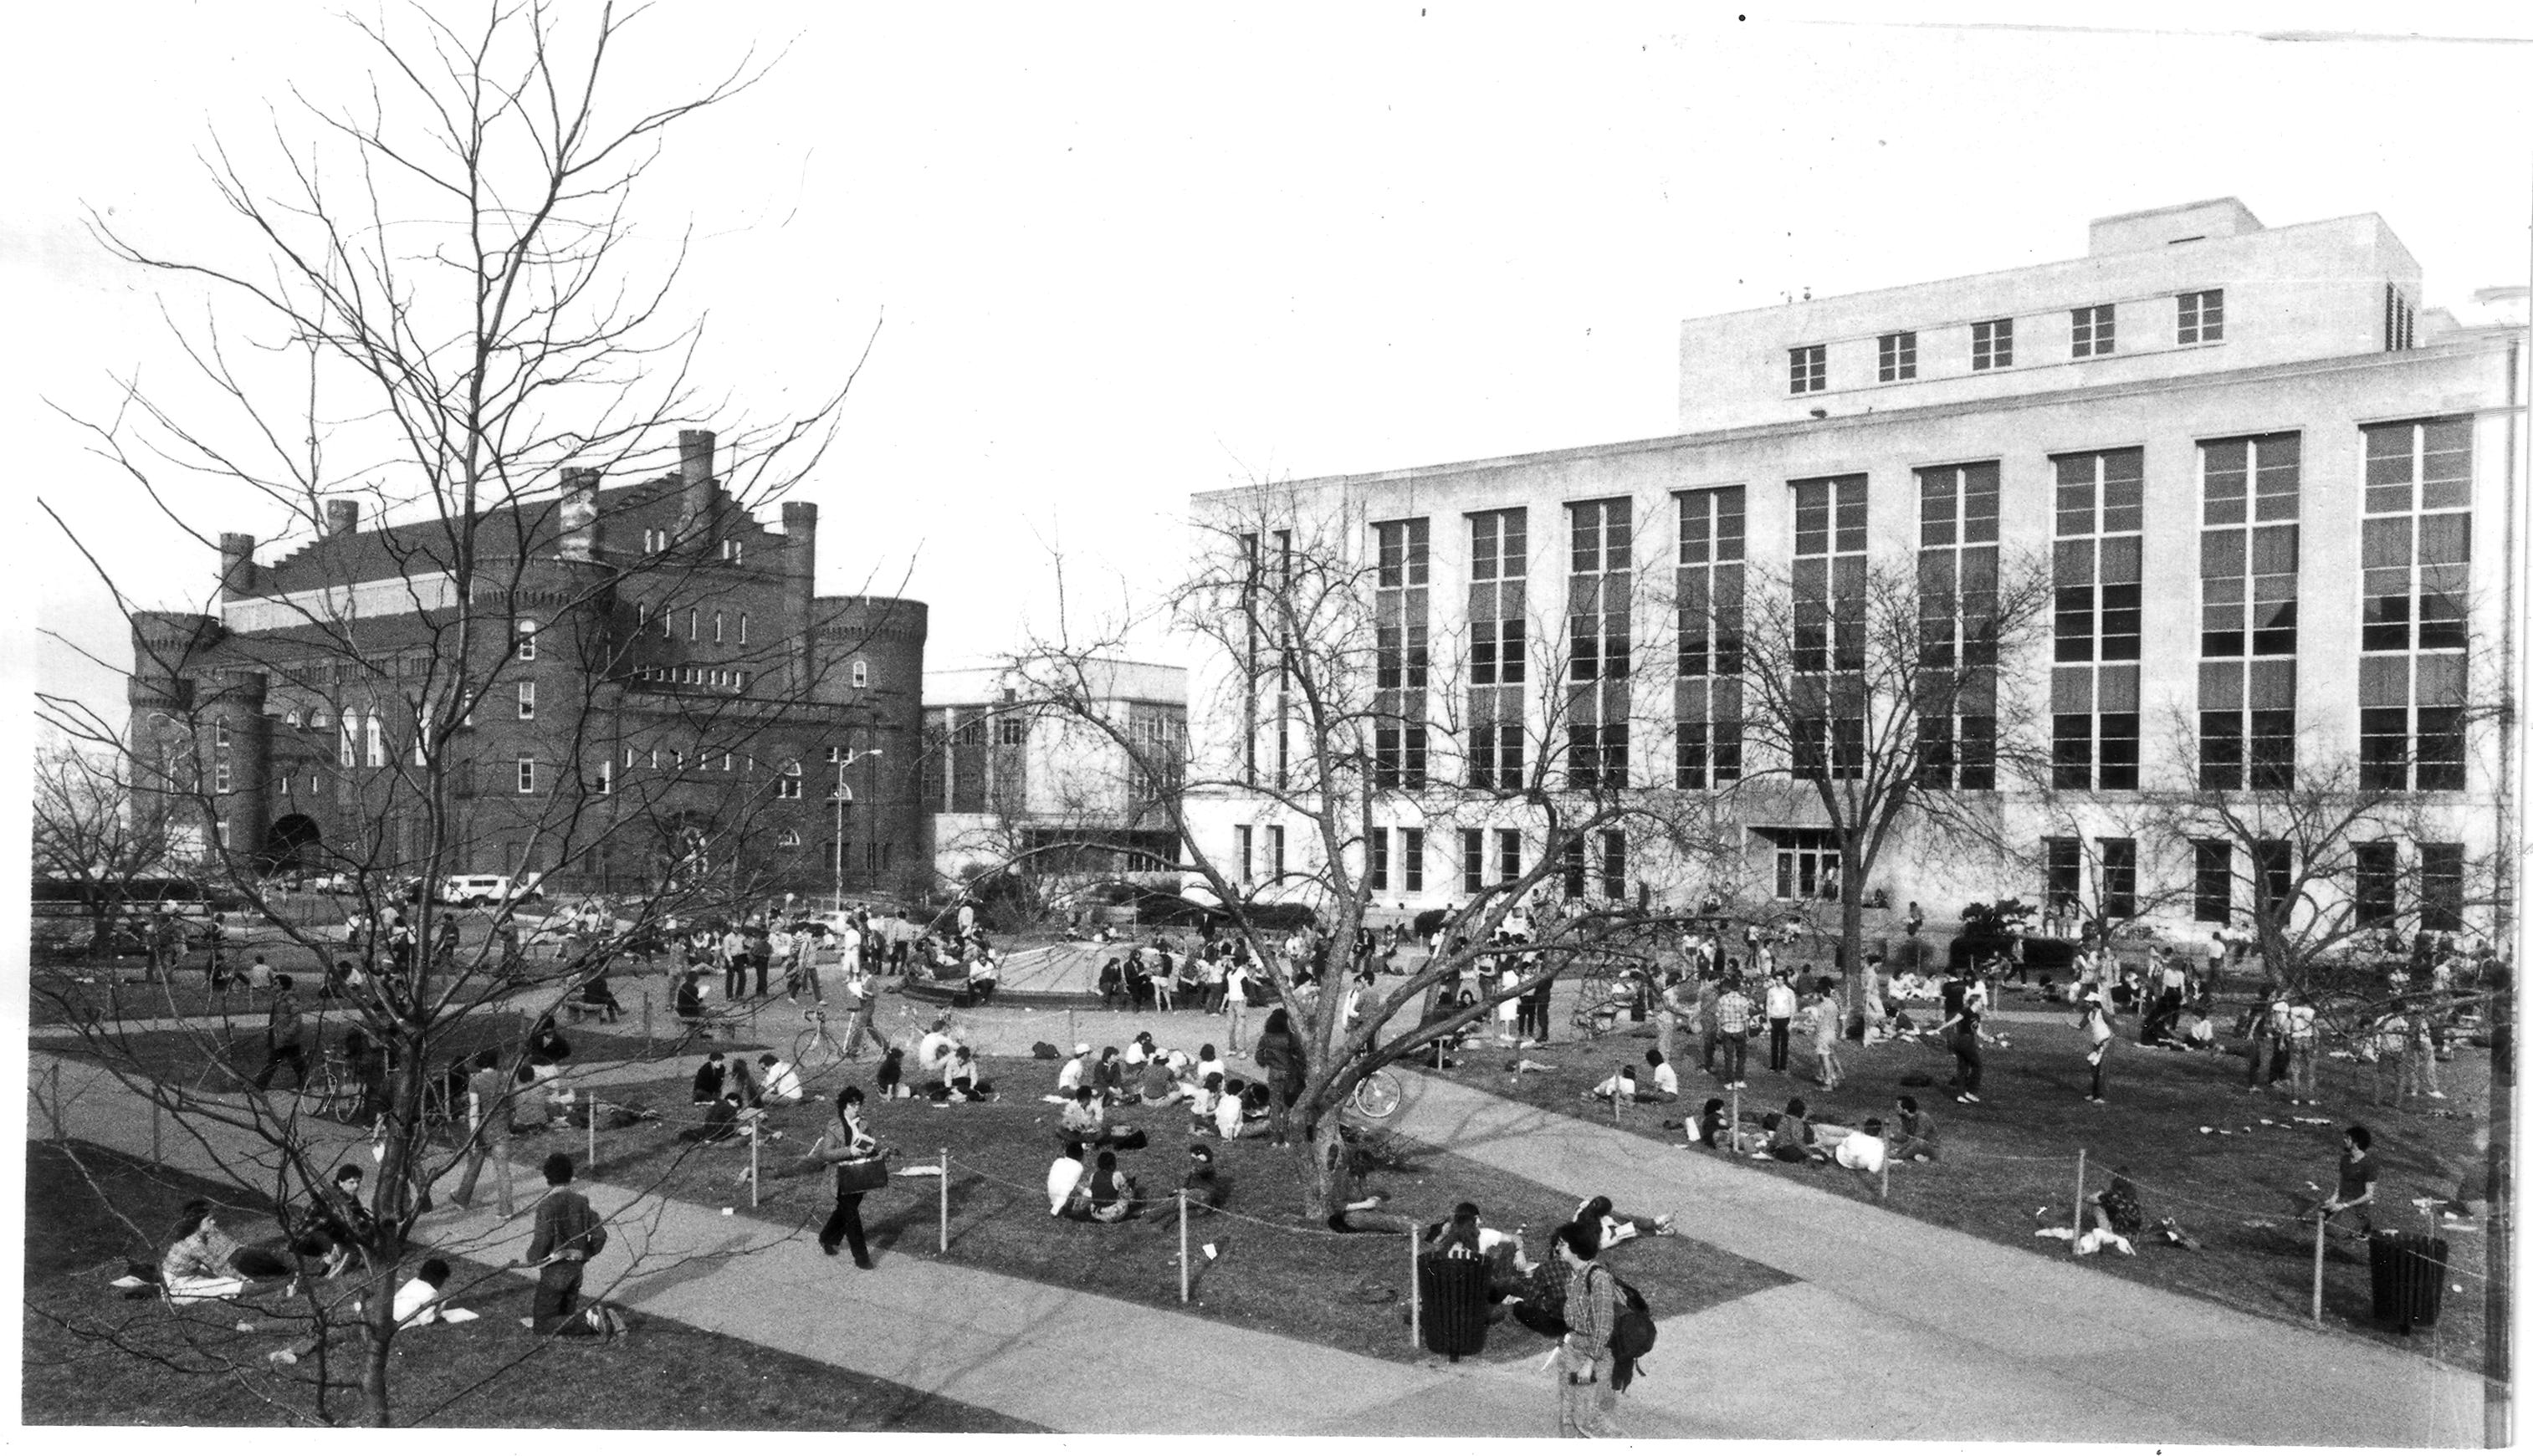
{"x": 1586, "y": 1396}
{"x": 282, "y": 1035}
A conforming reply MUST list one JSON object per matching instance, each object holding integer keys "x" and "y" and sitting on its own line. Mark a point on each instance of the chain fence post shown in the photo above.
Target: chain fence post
{"x": 2076, "y": 1240}
{"x": 1415, "y": 1305}
{"x": 755, "y": 1130}
{"x": 1183, "y": 1247}
{"x": 56, "y": 1108}
{"x": 2321, "y": 1224}
{"x": 945, "y": 1200}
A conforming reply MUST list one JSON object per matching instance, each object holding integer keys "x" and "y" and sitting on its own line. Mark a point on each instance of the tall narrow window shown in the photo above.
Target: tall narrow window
{"x": 1412, "y": 854}
{"x": 2416, "y": 558}
{"x": 1473, "y": 860}
{"x": 1708, "y": 585}
{"x": 1399, "y": 612}
{"x": 742, "y": 629}
{"x": 2272, "y": 878}
{"x": 861, "y": 675}
{"x": 2441, "y": 888}
{"x": 602, "y": 778}
{"x": 2202, "y": 318}
{"x": 526, "y": 639}
{"x": 1508, "y": 856}
{"x": 1498, "y": 650}
{"x": 2063, "y": 860}
{"x": 526, "y": 766}
{"x": 373, "y": 740}
{"x": 1600, "y": 635}
{"x": 1573, "y": 868}
{"x": 2401, "y": 320}
{"x": 2211, "y": 888}
{"x": 1956, "y": 631}
{"x": 786, "y": 783}
{"x": 2091, "y": 329}
{"x": 1993, "y": 344}
{"x": 1275, "y": 852}
{"x": 2097, "y": 571}
{"x": 2250, "y": 489}
{"x": 527, "y": 700}
{"x": 2377, "y": 901}
{"x": 1828, "y": 719}
{"x": 1898, "y": 357}
{"x": 1377, "y": 861}
{"x": 1243, "y": 848}
{"x": 1613, "y": 864}
{"x": 1807, "y": 368}
{"x": 695, "y": 624}
{"x": 2119, "y": 878}
{"x": 716, "y": 628}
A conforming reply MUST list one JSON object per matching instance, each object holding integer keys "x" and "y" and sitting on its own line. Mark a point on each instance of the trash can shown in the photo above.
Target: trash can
{"x": 1451, "y": 1300}
{"x": 2409, "y": 1275}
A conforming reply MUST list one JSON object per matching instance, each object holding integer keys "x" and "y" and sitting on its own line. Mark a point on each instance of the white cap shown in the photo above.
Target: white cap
{"x": 1082, "y": 1049}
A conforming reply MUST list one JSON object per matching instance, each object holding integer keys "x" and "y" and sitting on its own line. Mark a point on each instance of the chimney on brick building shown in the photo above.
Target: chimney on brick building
{"x": 237, "y": 565}
{"x": 579, "y": 515}
{"x": 799, "y": 587}
{"x": 695, "y": 490}
{"x": 342, "y": 517}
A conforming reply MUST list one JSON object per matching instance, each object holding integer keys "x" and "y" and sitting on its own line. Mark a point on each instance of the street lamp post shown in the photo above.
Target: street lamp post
{"x": 843, "y": 796}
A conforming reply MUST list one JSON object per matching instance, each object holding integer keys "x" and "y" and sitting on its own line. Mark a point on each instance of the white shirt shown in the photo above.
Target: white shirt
{"x": 1863, "y": 1151}
{"x": 1780, "y": 1001}
{"x": 1226, "y": 1117}
{"x": 933, "y": 1049}
{"x": 1665, "y": 1080}
{"x": 1070, "y": 1079}
{"x": 781, "y": 1082}
{"x": 416, "y": 1304}
{"x": 1134, "y": 1054}
{"x": 1060, "y": 1182}
{"x": 1211, "y": 1068}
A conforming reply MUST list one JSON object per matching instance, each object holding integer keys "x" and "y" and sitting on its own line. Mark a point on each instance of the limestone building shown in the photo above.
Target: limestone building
{"x": 2274, "y": 495}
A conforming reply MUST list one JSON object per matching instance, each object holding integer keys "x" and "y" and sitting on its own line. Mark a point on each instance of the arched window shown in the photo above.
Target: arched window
{"x": 861, "y": 675}
{"x": 527, "y": 638}
{"x": 789, "y": 839}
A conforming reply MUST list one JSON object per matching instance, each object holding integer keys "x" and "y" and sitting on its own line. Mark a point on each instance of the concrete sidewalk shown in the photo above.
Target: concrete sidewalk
{"x": 1960, "y": 1339}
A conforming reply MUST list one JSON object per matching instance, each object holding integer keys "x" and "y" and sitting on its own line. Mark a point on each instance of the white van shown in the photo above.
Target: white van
{"x": 481, "y": 891}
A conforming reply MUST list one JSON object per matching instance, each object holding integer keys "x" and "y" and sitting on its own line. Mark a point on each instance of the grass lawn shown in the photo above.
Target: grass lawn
{"x": 1276, "y": 1275}
{"x": 2009, "y": 1164}
{"x": 90, "y": 1357}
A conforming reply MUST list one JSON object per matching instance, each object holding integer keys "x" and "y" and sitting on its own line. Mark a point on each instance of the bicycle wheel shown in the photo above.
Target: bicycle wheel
{"x": 814, "y": 1052}
{"x": 1376, "y": 1096}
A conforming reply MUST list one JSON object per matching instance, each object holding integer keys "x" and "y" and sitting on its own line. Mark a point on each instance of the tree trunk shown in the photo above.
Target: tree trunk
{"x": 1331, "y": 1185}
{"x": 378, "y": 1331}
{"x": 1851, "y": 928}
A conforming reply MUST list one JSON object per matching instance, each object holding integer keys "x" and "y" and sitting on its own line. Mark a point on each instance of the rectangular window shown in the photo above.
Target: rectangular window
{"x": 2201, "y": 318}
{"x": 1957, "y": 585}
{"x": 1571, "y": 866}
{"x": 1993, "y": 344}
{"x": 2097, "y": 573}
{"x": 732, "y": 551}
{"x": 526, "y": 638}
{"x": 602, "y": 780}
{"x": 2093, "y": 330}
{"x": 2211, "y": 889}
{"x": 1597, "y": 594}
{"x": 1400, "y": 653}
{"x": 2415, "y": 557}
{"x": 1899, "y": 357}
{"x": 861, "y": 675}
{"x": 1473, "y": 860}
{"x": 1275, "y": 852}
{"x": 2064, "y": 862}
{"x": 1376, "y": 856}
{"x": 1708, "y": 585}
{"x": 1807, "y": 368}
{"x": 2401, "y": 320}
{"x": 1613, "y": 864}
{"x": 2377, "y": 902}
{"x": 695, "y": 624}
{"x": 2249, "y": 549}
{"x": 527, "y": 773}
{"x": 2441, "y": 888}
{"x": 2119, "y": 878}
{"x": 1243, "y": 847}
{"x": 787, "y": 785}
{"x": 1412, "y": 854}
{"x": 1829, "y": 574}
{"x": 220, "y": 778}
{"x": 527, "y": 701}
{"x": 2272, "y": 878}
{"x": 1508, "y": 856}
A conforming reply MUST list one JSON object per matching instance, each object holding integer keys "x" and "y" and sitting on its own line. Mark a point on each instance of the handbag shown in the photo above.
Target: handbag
{"x": 863, "y": 1174}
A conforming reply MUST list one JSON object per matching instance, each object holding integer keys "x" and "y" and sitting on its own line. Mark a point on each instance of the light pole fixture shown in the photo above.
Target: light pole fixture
{"x": 843, "y": 796}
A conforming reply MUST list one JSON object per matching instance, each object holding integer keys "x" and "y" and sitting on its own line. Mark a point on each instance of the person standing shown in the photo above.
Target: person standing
{"x": 2094, "y": 1021}
{"x": 2353, "y": 1191}
{"x": 733, "y": 965}
{"x": 1781, "y": 1020}
{"x": 863, "y": 998}
{"x": 569, "y": 1234}
{"x": 1235, "y": 1002}
{"x": 1671, "y": 1012}
{"x": 1710, "y": 991}
{"x": 1733, "y": 1031}
{"x": 283, "y": 1032}
{"x": 488, "y": 1123}
{"x": 847, "y": 1140}
{"x": 1825, "y": 1030}
{"x": 1279, "y": 1054}
{"x": 1585, "y": 1399}
{"x": 2304, "y": 1044}
{"x": 1965, "y": 1043}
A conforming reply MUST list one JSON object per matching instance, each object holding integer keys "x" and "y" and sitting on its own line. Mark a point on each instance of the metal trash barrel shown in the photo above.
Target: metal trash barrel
{"x": 2409, "y": 1275}
{"x": 1452, "y": 1292}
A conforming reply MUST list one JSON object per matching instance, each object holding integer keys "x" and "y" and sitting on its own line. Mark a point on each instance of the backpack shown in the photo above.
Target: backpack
{"x": 1632, "y": 1333}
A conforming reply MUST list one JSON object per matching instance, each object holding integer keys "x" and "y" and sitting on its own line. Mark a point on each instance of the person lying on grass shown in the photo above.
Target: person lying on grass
{"x": 1791, "y": 1141}
{"x": 1616, "y": 1227}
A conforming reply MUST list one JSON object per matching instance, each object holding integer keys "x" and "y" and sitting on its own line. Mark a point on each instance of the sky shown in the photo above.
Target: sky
{"x": 1115, "y": 257}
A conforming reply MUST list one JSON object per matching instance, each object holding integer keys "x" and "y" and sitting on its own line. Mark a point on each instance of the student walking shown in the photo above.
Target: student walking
{"x": 1965, "y": 1044}
{"x": 283, "y": 1031}
{"x": 1585, "y": 1394}
{"x": 847, "y": 1140}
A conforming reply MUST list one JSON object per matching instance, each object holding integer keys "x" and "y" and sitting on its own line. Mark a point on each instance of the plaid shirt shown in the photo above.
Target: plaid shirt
{"x": 1732, "y": 1012}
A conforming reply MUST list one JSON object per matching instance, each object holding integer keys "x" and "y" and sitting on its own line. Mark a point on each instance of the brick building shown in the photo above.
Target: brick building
{"x": 650, "y": 687}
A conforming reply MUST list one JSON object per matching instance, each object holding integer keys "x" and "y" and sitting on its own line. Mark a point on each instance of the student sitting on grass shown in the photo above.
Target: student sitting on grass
{"x": 206, "y": 1263}
{"x": 720, "y": 1125}
{"x": 1617, "y": 1228}
{"x": 1205, "y": 1189}
{"x": 781, "y": 1082}
{"x": 891, "y": 1077}
{"x": 1863, "y": 1153}
{"x": 1156, "y": 1082}
{"x": 710, "y": 1079}
{"x": 1918, "y": 1140}
{"x": 1790, "y": 1140}
{"x": 964, "y": 1085}
{"x": 1068, "y": 1184}
{"x": 1114, "y": 1195}
{"x": 1087, "y": 1122}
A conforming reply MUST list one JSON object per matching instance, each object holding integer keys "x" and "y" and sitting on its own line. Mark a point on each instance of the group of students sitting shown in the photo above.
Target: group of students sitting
{"x": 1793, "y": 1137}
{"x": 205, "y": 1261}
{"x": 1218, "y": 1101}
{"x": 733, "y": 1094}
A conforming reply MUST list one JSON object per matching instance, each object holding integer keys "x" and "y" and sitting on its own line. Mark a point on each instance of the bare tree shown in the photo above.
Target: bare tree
{"x": 435, "y": 329}
{"x": 93, "y": 837}
{"x": 1888, "y": 697}
{"x": 1337, "y": 721}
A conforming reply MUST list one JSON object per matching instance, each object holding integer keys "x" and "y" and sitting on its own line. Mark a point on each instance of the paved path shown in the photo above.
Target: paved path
{"x": 1960, "y": 1339}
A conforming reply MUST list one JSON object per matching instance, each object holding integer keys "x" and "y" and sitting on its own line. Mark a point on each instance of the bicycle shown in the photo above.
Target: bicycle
{"x": 1376, "y": 1096}
{"x": 817, "y": 1050}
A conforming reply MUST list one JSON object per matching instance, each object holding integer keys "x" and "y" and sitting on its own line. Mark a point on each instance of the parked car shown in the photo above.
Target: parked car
{"x": 483, "y": 890}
